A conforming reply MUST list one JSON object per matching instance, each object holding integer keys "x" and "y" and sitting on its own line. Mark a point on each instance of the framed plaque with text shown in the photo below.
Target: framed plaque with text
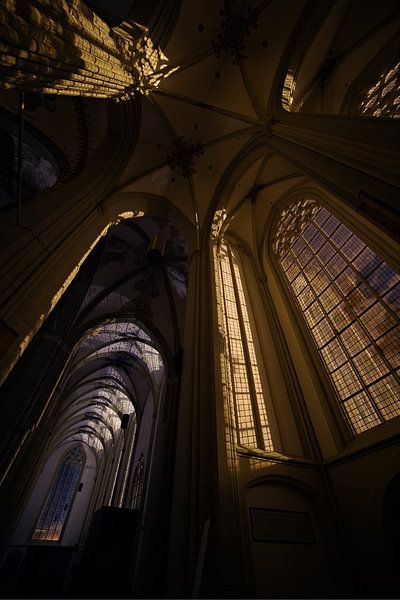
{"x": 281, "y": 526}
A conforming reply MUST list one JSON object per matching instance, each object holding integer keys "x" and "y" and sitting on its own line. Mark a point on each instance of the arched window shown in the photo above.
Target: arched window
{"x": 350, "y": 300}
{"x": 245, "y": 385}
{"x": 60, "y": 497}
{"x": 382, "y": 99}
{"x": 137, "y": 486}
{"x": 288, "y": 90}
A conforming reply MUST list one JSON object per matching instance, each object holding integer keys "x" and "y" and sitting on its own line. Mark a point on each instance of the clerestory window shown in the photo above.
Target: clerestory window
{"x": 245, "y": 384}
{"x": 53, "y": 516}
{"x": 350, "y": 300}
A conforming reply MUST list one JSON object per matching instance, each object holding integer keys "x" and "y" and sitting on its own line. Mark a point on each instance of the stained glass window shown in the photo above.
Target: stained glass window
{"x": 137, "y": 487}
{"x": 249, "y": 404}
{"x": 350, "y": 300}
{"x": 382, "y": 99}
{"x": 60, "y": 497}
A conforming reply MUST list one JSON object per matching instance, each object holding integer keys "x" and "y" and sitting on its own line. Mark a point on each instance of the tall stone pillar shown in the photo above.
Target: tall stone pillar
{"x": 182, "y": 550}
{"x": 205, "y": 547}
{"x": 62, "y": 47}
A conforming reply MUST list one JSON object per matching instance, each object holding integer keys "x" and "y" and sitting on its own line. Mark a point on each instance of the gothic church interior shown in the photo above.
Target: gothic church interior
{"x": 199, "y": 299}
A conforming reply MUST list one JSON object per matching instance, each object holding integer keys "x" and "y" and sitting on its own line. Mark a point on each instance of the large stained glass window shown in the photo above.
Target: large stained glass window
{"x": 350, "y": 299}
{"x": 382, "y": 99}
{"x": 60, "y": 497}
{"x": 248, "y": 397}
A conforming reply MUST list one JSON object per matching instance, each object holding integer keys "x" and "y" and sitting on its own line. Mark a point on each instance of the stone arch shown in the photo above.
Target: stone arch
{"x": 59, "y": 268}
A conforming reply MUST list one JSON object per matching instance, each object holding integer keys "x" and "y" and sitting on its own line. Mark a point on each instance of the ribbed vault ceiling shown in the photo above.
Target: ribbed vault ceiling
{"x": 114, "y": 369}
{"x": 200, "y": 123}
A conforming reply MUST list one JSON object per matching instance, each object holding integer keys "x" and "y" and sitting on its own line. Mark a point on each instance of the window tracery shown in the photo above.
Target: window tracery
{"x": 350, "y": 300}
{"x": 53, "y": 516}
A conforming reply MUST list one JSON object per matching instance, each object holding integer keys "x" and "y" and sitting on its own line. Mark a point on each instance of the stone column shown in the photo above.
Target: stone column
{"x": 181, "y": 554}
{"x": 205, "y": 546}
{"x": 28, "y": 394}
{"x": 62, "y": 47}
{"x": 150, "y": 561}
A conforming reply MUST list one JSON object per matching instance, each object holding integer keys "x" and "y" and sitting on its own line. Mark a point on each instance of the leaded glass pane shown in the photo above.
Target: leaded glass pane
{"x": 341, "y": 316}
{"x": 361, "y": 413}
{"x": 392, "y": 299}
{"x": 313, "y": 269}
{"x": 378, "y": 320}
{"x": 384, "y": 395}
{"x": 314, "y": 313}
